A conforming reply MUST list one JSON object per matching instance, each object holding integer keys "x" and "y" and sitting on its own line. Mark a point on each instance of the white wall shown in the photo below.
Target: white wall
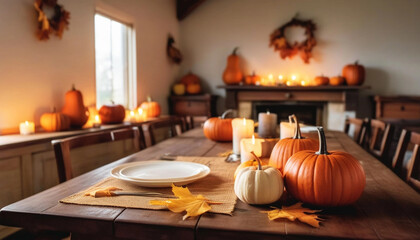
{"x": 382, "y": 34}
{"x": 34, "y": 75}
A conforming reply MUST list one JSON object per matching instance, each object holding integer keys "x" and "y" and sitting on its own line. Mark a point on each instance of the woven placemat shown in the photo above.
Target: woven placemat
{"x": 217, "y": 186}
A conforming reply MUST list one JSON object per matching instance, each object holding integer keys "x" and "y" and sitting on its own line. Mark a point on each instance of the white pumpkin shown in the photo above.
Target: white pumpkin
{"x": 259, "y": 185}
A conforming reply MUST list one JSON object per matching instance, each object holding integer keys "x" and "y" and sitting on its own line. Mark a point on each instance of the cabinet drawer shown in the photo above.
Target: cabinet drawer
{"x": 192, "y": 108}
{"x": 401, "y": 110}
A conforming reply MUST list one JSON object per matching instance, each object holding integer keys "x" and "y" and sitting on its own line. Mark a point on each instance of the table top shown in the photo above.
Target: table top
{"x": 387, "y": 209}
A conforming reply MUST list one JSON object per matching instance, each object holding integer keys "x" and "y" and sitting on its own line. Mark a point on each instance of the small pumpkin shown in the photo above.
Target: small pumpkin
{"x": 324, "y": 178}
{"x": 114, "y": 113}
{"x": 252, "y": 79}
{"x": 286, "y": 147}
{"x": 194, "y": 88}
{"x": 337, "y": 81}
{"x": 74, "y": 108}
{"x": 321, "y": 80}
{"x": 249, "y": 163}
{"x": 219, "y": 128}
{"x": 233, "y": 74}
{"x": 354, "y": 74}
{"x": 150, "y": 108}
{"x": 190, "y": 78}
{"x": 54, "y": 121}
{"x": 179, "y": 89}
{"x": 259, "y": 184}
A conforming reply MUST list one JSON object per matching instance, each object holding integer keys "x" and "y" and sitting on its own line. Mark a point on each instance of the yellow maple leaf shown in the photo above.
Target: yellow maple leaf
{"x": 294, "y": 212}
{"x": 195, "y": 205}
{"x": 103, "y": 192}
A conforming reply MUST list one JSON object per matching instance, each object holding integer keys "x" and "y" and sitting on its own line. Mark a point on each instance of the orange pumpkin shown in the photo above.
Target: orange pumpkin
{"x": 190, "y": 78}
{"x": 233, "y": 74}
{"x": 321, "y": 80}
{"x": 286, "y": 147}
{"x": 324, "y": 178}
{"x": 354, "y": 74}
{"x": 194, "y": 88}
{"x": 150, "y": 108}
{"x": 55, "y": 121}
{"x": 252, "y": 79}
{"x": 218, "y": 128}
{"x": 337, "y": 81}
{"x": 114, "y": 113}
{"x": 74, "y": 108}
{"x": 249, "y": 163}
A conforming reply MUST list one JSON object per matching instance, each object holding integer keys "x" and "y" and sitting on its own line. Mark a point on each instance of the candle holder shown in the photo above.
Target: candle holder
{"x": 233, "y": 158}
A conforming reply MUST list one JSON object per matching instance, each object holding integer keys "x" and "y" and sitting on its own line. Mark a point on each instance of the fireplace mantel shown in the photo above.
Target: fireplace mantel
{"x": 341, "y": 94}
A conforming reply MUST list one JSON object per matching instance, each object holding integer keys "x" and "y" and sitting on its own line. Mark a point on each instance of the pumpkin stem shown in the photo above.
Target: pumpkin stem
{"x": 226, "y": 113}
{"x": 356, "y": 63}
{"x": 149, "y": 98}
{"x": 322, "y": 142}
{"x": 234, "y": 50}
{"x": 258, "y": 160}
{"x": 73, "y": 88}
{"x": 298, "y": 134}
{"x": 54, "y": 110}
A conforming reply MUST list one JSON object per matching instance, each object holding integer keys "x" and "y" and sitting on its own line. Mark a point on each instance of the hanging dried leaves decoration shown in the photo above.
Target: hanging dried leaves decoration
{"x": 56, "y": 24}
{"x": 279, "y": 41}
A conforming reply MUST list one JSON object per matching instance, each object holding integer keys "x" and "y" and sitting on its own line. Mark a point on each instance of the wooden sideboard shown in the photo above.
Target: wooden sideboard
{"x": 397, "y": 107}
{"x": 193, "y": 105}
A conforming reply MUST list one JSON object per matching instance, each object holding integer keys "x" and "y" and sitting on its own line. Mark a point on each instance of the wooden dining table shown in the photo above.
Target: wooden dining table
{"x": 387, "y": 209}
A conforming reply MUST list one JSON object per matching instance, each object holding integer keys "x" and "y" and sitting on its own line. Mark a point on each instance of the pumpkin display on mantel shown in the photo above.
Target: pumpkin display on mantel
{"x": 258, "y": 184}
{"x": 150, "y": 108}
{"x": 252, "y": 79}
{"x": 75, "y": 108}
{"x": 321, "y": 80}
{"x": 194, "y": 88}
{"x": 354, "y": 74}
{"x": 286, "y": 147}
{"x": 54, "y": 121}
{"x": 219, "y": 128}
{"x": 233, "y": 74}
{"x": 337, "y": 81}
{"x": 114, "y": 113}
{"x": 324, "y": 178}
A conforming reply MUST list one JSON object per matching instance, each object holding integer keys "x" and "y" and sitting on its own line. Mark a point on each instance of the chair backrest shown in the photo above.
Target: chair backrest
{"x": 63, "y": 147}
{"x": 175, "y": 125}
{"x": 378, "y": 139}
{"x": 406, "y": 161}
{"x": 359, "y": 132}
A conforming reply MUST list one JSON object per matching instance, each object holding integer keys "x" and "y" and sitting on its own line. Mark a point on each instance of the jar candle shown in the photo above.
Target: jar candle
{"x": 267, "y": 123}
{"x": 260, "y": 146}
{"x": 26, "y": 128}
{"x": 241, "y": 128}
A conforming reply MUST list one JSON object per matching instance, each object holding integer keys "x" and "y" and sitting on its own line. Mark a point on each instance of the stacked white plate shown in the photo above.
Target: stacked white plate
{"x": 158, "y": 173}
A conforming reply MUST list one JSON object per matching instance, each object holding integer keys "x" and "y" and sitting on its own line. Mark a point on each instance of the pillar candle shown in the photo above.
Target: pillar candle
{"x": 242, "y": 128}
{"x": 26, "y": 128}
{"x": 141, "y": 116}
{"x": 261, "y": 147}
{"x": 267, "y": 123}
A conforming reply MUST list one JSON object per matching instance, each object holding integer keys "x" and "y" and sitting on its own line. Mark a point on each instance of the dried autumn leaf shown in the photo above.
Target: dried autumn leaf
{"x": 103, "y": 192}
{"x": 195, "y": 205}
{"x": 292, "y": 212}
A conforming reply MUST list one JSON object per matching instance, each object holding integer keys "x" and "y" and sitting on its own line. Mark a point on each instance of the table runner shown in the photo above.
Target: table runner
{"x": 217, "y": 186}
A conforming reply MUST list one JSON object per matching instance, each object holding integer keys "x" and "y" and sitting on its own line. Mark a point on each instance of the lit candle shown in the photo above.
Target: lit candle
{"x": 267, "y": 123}
{"x": 261, "y": 147}
{"x": 241, "y": 128}
{"x": 141, "y": 116}
{"x": 96, "y": 122}
{"x": 26, "y": 128}
{"x": 280, "y": 79}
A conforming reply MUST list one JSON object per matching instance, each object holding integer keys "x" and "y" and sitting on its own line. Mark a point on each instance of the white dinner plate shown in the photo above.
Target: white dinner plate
{"x": 160, "y": 179}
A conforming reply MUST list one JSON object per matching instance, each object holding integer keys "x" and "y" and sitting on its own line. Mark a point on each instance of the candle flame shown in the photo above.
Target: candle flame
{"x": 132, "y": 113}
{"x": 26, "y": 123}
{"x": 253, "y": 139}
{"x": 280, "y": 77}
{"x": 244, "y": 121}
{"x": 303, "y": 83}
{"x": 294, "y": 77}
{"x": 270, "y": 76}
{"x": 288, "y": 83}
{"x": 140, "y": 111}
{"x": 96, "y": 118}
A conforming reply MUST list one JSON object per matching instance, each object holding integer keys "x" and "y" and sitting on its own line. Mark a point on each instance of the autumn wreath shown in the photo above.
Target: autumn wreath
{"x": 56, "y": 23}
{"x": 279, "y": 42}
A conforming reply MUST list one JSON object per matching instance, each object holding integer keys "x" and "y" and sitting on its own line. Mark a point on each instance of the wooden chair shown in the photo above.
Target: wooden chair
{"x": 62, "y": 147}
{"x": 406, "y": 166}
{"x": 360, "y": 127}
{"x": 378, "y": 139}
{"x": 174, "y": 125}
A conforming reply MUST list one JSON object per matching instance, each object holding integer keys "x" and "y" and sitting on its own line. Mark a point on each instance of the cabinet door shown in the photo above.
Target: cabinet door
{"x": 44, "y": 170}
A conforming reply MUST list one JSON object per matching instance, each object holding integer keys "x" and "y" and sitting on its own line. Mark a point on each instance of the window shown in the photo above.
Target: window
{"x": 115, "y": 62}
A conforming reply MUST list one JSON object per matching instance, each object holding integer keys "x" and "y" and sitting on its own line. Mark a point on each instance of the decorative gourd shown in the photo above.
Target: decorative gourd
{"x": 259, "y": 184}
{"x": 286, "y": 147}
{"x": 74, "y": 108}
{"x": 194, "y": 88}
{"x": 233, "y": 74}
{"x": 218, "y": 128}
{"x": 178, "y": 89}
{"x": 55, "y": 121}
{"x": 150, "y": 108}
{"x": 114, "y": 113}
{"x": 252, "y": 79}
{"x": 249, "y": 163}
{"x": 354, "y": 74}
{"x": 321, "y": 80}
{"x": 337, "y": 81}
{"x": 324, "y": 178}
{"x": 190, "y": 78}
